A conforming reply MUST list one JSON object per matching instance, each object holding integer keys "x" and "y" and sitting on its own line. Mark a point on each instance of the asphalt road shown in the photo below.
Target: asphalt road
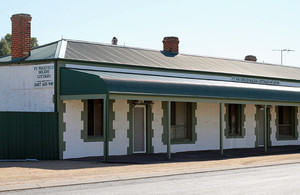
{"x": 277, "y": 179}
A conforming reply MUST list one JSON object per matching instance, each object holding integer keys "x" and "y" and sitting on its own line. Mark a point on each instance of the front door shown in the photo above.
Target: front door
{"x": 139, "y": 129}
{"x": 261, "y": 125}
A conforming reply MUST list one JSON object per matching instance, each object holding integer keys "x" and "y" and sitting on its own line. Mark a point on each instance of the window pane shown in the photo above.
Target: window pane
{"x": 234, "y": 119}
{"x": 90, "y": 117}
{"x": 95, "y": 117}
{"x": 98, "y": 117}
{"x": 285, "y": 121}
{"x": 179, "y": 120}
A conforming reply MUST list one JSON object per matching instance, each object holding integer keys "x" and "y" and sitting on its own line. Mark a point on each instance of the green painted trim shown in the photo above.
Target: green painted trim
{"x": 221, "y": 127}
{"x": 82, "y": 97}
{"x": 242, "y": 121}
{"x": 149, "y": 130}
{"x": 55, "y": 99}
{"x": 61, "y": 109}
{"x": 130, "y": 130}
{"x": 168, "y": 125}
{"x": 106, "y": 129}
{"x": 285, "y": 138}
{"x": 62, "y": 128}
{"x": 193, "y": 123}
{"x": 195, "y": 99}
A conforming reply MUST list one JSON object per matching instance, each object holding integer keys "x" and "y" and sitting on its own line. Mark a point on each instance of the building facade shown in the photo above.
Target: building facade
{"x": 114, "y": 100}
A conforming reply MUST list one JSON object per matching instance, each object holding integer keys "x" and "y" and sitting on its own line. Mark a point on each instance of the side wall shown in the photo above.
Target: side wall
{"x": 21, "y": 88}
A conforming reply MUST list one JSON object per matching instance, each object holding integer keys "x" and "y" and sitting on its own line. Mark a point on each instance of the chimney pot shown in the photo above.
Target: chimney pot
{"x": 250, "y": 58}
{"x": 21, "y": 30}
{"x": 171, "y": 44}
{"x": 114, "y": 41}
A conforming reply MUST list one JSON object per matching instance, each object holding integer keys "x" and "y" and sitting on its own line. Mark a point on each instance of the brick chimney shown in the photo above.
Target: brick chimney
{"x": 21, "y": 29}
{"x": 171, "y": 44}
{"x": 250, "y": 58}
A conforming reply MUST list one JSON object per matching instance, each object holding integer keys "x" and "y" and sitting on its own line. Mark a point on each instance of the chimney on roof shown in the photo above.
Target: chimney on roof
{"x": 250, "y": 58}
{"x": 114, "y": 41}
{"x": 171, "y": 44}
{"x": 21, "y": 29}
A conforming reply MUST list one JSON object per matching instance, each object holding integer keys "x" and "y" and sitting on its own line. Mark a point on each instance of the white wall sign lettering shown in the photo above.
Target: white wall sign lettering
{"x": 255, "y": 81}
{"x": 43, "y": 76}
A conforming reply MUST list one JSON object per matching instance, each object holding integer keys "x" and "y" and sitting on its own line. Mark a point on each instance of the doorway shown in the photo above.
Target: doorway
{"x": 260, "y": 137}
{"x": 139, "y": 129}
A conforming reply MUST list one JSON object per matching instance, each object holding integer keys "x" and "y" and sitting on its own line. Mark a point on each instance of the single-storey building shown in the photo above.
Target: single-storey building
{"x": 71, "y": 99}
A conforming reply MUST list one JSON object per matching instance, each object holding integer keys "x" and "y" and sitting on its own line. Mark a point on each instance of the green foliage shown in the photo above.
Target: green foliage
{"x": 5, "y": 44}
{"x": 4, "y": 47}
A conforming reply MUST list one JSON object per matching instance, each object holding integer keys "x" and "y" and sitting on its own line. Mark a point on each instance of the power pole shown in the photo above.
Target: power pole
{"x": 282, "y": 50}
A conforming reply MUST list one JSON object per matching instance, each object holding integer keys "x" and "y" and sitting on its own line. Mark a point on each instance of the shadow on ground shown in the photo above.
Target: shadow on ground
{"x": 195, "y": 156}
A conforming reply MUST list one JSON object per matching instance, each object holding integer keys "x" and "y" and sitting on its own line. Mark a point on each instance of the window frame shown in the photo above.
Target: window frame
{"x": 191, "y": 124}
{"x": 294, "y": 124}
{"x": 241, "y": 120}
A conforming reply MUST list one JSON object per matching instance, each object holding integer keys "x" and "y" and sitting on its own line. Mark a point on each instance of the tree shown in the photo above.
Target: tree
{"x": 5, "y": 44}
{"x": 4, "y": 48}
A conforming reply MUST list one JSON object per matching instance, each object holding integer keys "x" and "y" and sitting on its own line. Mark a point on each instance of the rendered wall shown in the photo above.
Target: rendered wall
{"x": 18, "y": 91}
{"x": 119, "y": 144}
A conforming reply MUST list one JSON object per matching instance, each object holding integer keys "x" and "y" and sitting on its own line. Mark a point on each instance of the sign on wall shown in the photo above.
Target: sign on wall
{"x": 43, "y": 76}
{"x": 255, "y": 80}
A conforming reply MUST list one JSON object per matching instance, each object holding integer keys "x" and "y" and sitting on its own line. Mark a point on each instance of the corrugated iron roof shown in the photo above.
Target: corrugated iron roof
{"x": 103, "y": 53}
{"x": 96, "y": 52}
{"x": 43, "y": 52}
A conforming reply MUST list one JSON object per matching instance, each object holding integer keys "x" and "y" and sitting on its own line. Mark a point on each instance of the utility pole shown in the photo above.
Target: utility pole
{"x": 282, "y": 50}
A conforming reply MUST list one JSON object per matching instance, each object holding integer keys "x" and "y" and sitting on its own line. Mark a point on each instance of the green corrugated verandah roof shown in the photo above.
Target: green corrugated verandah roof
{"x": 86, "y": 82}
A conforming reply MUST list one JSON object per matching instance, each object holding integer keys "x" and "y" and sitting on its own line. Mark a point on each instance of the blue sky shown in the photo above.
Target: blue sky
{"x": 218, "y": 28}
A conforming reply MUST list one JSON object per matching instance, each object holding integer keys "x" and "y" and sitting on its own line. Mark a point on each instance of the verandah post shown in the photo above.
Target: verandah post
{"x": 106, "y": 128}
{"x": 265, "y": 129}
{"x": 221, "y": 128}
{"x": 169, "y": 129}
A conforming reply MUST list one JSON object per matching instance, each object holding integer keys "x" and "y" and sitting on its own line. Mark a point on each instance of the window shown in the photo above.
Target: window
{"x": 95, "y": 118}
{"x": 181, "y": 121}
{"x": 234, "y": 120}
{"x": 286, "y": 121}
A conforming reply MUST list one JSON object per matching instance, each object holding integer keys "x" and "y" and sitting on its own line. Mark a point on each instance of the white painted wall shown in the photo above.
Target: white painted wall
{"x": 276, "y": 142}
{"x": 17, "y": 92}
{"x": 120, "y": 143}
{"x": 157, "y": 128}
{"x": 208, "y": 132}
{"x": 75, "y": 146}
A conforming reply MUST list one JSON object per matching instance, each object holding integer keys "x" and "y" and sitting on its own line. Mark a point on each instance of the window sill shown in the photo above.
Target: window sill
{"x": 286, "y": 138}
{"x": 182, "y": 141}
{"x": 94, "y": 139}
{"x": 234, "y": 136}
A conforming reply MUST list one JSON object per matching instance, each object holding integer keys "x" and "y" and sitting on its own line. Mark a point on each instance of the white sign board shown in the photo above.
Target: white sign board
{"x": 43, "y": 76}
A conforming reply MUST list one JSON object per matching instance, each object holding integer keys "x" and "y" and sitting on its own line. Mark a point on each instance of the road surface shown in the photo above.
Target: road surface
{"x": 275, "y": 179}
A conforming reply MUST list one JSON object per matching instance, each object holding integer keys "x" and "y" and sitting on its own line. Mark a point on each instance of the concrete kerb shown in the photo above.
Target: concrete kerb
{"x": 120, "y": 178}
